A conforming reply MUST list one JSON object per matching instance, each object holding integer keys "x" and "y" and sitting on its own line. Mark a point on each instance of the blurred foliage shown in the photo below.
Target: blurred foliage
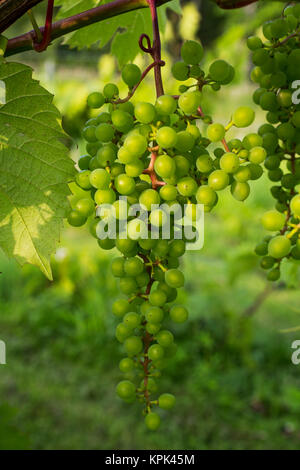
{"x": 235, "y": 384}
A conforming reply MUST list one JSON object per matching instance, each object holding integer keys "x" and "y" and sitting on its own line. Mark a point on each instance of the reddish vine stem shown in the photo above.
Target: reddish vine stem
{"x": 151, "y": 172}
{"x": 42, "y": 46}
{"x": 156, "y": 48}
{"x": 232, "y": 5}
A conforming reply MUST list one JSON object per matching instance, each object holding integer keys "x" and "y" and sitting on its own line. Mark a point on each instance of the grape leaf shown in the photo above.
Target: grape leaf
{"x": 124, "y": 30}
{"x": 34, "y": 169}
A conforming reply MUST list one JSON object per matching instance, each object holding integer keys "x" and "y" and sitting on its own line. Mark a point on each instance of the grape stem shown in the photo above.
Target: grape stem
{"x": 223, "y": 141}
{"x": 156, "y": 48}
{"x": 41, "y": 45}
{"x": 151, "y": 172}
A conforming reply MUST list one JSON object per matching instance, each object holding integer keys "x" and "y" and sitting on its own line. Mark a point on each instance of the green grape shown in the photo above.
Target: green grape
{"x": 106, "y": 155}
{"x": 145, "y": 112}
{"x": 132, "y": 320}
{"x": 168, "y": 192}
{"x": 148, "y": 198}
{"x": 178, "y": 314}
{"x": 100, "y": 179}
{"x": 257, "y": 155}
{"x": 161, "y": 248}
{"x": 125, "y": 245}
{"x": 279, "y": 246}
{"x": 124, "y": 184}
{"x": 296, "y": 119}
{"x": 158, "y": 218}
{"x": 83, "y": 162}
{"x": 273, "y": 275}
{"x": 273, "y": 221}
{"x": 253, "y": 43}
{"x": 154, "y": 315}
{"x": 242, "y": 175}
{"x": 176, "y": 248}
{"x": 83, "y": 179}
{"x": 133, "y": 345}
{"x": 164, "y": 166}
{"x": 157, "y": 298}
{"x": 152, "y": 421}
{"x": 95, "y": 100}
{"x": 133, "y": 266}
{"x": 189, "y": 102}
{"x": 182, "y": 164}
{"x": 137, "y": 229}
{"x": 104, "y": 132}
{"x": 206, "y": 195}
{"x": 156, "y": 352}
{"x": 240, "y": 191}
{"x": 153, "y": 328}
{"x": 120, "y": 307}
{"x": 252, "y": 140}
{"x": 89, "y": 134}
{"x": 165, "y": 338}
{"x": 174, "y": 278}
{"x": 261, "y": 249}
{"x": 243, "y": 116}
{"x": 187, "y": 186}
{"x": 166, "y": 401}
{"x": 125, "y": 389}
{"x": 185, "y": 141}
{"x": 191, "y": 52}
{"x": 122, "y": 332}
{"x": 219, "y": 70}
{"x": 165, "y": 105}
{"x": 110, "y": 91}
{"x": 180, "y": 71}
{"x": 131, "y": 75}
{"x": 229, "y": 162}
{"x": 267, "y": 262}
{"x": 134, "y": 169}
{"x": 117, "y": 267}
{"x": 126, "y": 365}
{"x": 76, "y": 219}
{"x": 295, "y": 205}
{"x": 106, "y": 244}
{"x": 85, "y": 207}
{"x": 122, "y": 120}
{"x": 204, "y": 163}
{"x": 104, "y": 196}
{"x": 136, "y": 144}
{"x": 166, "y": 137}
{"x": 215, "y": 132}
{"x": 218, "y": 180}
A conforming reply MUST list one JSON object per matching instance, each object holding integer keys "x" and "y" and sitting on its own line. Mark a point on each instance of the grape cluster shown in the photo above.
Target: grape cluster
{"x": 276, "y": 71}
{"x": 153, "y": 154}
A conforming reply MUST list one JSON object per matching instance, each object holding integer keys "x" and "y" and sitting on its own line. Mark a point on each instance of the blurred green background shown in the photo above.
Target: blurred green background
{"x": 235, "y": 384}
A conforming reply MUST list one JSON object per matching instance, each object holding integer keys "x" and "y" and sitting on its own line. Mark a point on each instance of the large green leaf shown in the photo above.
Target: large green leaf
{"x": 124, "y": 30}
{"x": 34, "y": 169}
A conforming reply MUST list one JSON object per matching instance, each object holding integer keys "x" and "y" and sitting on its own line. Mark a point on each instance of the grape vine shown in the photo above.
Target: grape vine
{"x": 158, "y": 154}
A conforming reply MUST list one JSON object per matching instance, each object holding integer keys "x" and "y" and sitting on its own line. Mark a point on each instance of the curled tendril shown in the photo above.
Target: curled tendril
{"x": 149, "y": 48}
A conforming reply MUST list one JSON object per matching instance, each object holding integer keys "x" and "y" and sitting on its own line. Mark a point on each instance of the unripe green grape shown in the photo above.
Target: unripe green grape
{"x": 85, "y": 206}
{"x": 110, "y": 91}
{"x": 174, "y": 278}
{"x": 156, "y": 352}
{"x": 166, "y": 401}
{"x": 104, "y": 132}
{"x": 284, "y": 98}
{"x": 106, "y": 155}
{"x": 229, "y": 162}
{"x": 295, "y": 205}
{"x": 273, "y": 221}
{"x": 261, "y": 249}
{"x": 124, "y": 184}
{"x": 270, "y": 141}
{"x": 168, "y": 192}
{"x": 95, "y": 100}
{"x": 83, "y": 179}
{"x": 134, "y": 169}
{"x": 76, "y": 219}
{"x": 83, "y": 162}
{"x": 256, "y": 74}
{"x": 206, "y": 195}
{"x": 191, "y": 52}
{"x": 153, "y": 328}
{"x": 125, "y": 245}
{"x": 204, "y": 163}
{"x": 125, "y": 156}
{"x": 117, "y": 267}
{"x": 165, "y": 338}
{"x": 136, "y": 144}
{"x": 180, "y": 71}
{"x": 144, "y": 112}
{"x": 148, "y": 198}
{"x": 215, "y": 132}
{"x": 122, "y": 121}
{"x": 185, "y": 141}
{"x": 152, "y": 421}
{"x": 279, "y": 246}
{"x": 126, "y": 365}
{"x": 143, "y": 279}
{"x": 182, "y": 165}
{"x": 157, "y": 298}
{"x": 104, "y": 196}
{"x": 275, "y": 175}
{"x": 165, "y": 105}
{"x": 161, "y": 248}
{"x": 296, "y": 119}
{"x": 133, "y": 266}
{"x": 133, "y": 345}
{"x": 218, "y": 180}
{"x": 243, "y": 116}
{"x": 158, "y": 218}
{"x": 164, "y": 166}
{"x": 257, "y": 94}
{"x": 187, "y": 186}
{"x": 272, "y": 162}
{"x": 132, "y": 320}
{"x": 166, "y": 137}
{"x": 253, "y": 43}
{"x": 125, "y": 389}
{"x": 260, "y": 56}
{"x": 219, "y": 70}
{"x": 100, "y": 179}
{"x": 131, "y": 75}
{"x": 189, "y": 102}
{"x": 240, "y": 191}
{"x": 255, "y": 170}
{"x": 243, "y": 174}
{"x": 137, "y": 229}
{"x": 257, "y": 155}
{"x": 288, "y": 181}
{"x": 122, "y": 332}
{"x": 273, "y": 275}
{"x": 154, "y": 315}
{"x": 252, "y": 140}
{"x": 267, "y": 262}
{"x": 178, "y": 314}
{"x": 94, "y": 164}
{"x": 285, "y": 131}
{"x": 176, "y": 248}
{"x": 120, "y": 307}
